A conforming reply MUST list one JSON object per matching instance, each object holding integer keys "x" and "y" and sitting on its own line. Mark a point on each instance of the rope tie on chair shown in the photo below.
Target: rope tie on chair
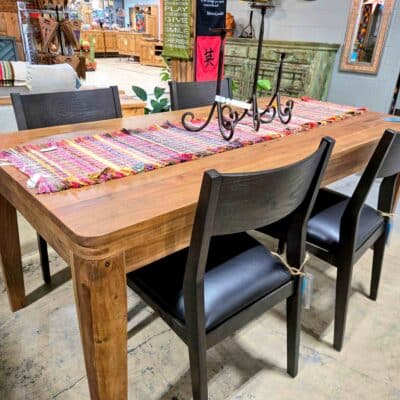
{"x": 387, "y": 215}
{"x": 293, "y": 270}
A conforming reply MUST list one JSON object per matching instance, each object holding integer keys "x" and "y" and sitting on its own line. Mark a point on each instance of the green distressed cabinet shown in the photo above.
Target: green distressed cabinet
{"x": 307, "y": 69}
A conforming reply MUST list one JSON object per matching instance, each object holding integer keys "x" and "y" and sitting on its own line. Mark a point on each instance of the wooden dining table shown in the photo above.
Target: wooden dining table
{"x": 105, "y": 231}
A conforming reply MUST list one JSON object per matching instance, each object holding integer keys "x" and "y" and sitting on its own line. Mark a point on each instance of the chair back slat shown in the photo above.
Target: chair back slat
{"x": 196, "y": 94}
{"x": 41, "y": 110}
{"x": 232, "y": 203}
{"x": 391, "y": 163}
{"x": 383, "y": 163}
{"x": 253, "y": 200}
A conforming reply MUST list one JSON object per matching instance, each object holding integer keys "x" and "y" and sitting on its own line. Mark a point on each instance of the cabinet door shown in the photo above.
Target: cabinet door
{"x": 119, "y": 42}
{"x": 151, "y": 26}
{"x": 147, "y": 53}
{"x": 99, "y": 42}
{"x": 132, "y": 45}
{"x": 111, "y": 42}
{"x": 12, "y": 25}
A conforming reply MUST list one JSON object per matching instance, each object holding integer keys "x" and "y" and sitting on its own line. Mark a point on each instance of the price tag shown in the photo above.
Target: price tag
{"x": 306, "y": 289}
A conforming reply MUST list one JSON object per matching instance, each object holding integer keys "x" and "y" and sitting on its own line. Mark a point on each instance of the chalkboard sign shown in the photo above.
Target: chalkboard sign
{"x": 177, "y": 23}
{"x": 210, "y": 15}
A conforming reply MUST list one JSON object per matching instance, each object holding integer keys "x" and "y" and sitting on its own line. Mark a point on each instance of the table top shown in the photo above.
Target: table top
{"x": 98, "y": 215}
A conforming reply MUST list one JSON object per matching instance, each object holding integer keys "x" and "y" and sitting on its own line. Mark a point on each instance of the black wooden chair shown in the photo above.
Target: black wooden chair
{"x": 341, "y": 228}
{"x": 196, "y": 94}
{"x": 43, "y": 110}
{"x": 226, "y": 278}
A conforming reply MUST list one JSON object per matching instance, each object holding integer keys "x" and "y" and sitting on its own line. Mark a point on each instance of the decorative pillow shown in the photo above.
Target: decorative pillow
{"x": 20, "y": 68}
{"x": 51, "y": 78}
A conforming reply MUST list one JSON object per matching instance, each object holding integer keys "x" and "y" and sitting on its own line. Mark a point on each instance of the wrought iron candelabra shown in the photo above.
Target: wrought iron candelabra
{"x": 227, "y": 117}
{"x": 274, "y": 107}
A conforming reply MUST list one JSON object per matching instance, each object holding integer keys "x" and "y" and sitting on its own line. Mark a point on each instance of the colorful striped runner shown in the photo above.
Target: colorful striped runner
{"x": 73, "y": 163}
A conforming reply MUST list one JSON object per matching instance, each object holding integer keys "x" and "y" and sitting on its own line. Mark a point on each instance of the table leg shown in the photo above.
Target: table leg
{"x": 101, "y": 301}
{"x": 10, "y": 252}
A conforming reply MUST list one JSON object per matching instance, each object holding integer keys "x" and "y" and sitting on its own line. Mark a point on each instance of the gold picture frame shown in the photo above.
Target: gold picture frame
{"x": 354, "y": 17}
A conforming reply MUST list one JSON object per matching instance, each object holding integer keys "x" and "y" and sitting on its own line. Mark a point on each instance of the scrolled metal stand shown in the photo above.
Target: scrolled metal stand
{"x": 285, "y": 113}
{"x": 270, "y": 112}
{"x": 227, "y": 117}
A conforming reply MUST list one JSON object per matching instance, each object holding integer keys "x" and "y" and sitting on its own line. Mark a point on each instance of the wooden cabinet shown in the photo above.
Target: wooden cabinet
{"x": 98, "y": 39}
{"x": 306, "y": 72}
{"x": 150, "y": 53}
{"x": 129, "y": 43}
{"x": 9, "y": 26}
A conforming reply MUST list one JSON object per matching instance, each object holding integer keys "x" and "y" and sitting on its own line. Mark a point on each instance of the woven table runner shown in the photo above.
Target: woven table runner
{"x": 73, "y": 163}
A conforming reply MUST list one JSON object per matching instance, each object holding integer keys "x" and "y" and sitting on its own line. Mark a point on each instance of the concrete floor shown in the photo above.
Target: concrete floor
{"x": 41, "y": 357}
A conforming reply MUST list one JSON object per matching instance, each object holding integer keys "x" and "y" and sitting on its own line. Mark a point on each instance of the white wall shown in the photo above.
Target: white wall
{"x": 326, "y": 21}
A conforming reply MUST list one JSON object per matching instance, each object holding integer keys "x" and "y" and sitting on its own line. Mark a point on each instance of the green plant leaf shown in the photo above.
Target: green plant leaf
{"x": 140, "y": 92}
{"x": 157, "y": 107}
{"x": 165, "y": 76}
{"x": 264, "y": 84}
{"x": 158, "y": 92}
{"x": 163, "y": 102}
{"x": 147, "y": 111}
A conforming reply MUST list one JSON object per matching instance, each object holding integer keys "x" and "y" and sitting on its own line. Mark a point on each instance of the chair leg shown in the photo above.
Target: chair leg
{"x": 293, "y": 322}
{"x": 198, "y": 367}
{"x": 281, "y": 246}
{"x": 379, "y": 251}
{"x": 44, "y": 259}
{"x": 343, "y": 290}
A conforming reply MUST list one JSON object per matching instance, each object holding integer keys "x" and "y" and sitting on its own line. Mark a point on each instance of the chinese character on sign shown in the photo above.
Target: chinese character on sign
{"x": 209, "y": 57}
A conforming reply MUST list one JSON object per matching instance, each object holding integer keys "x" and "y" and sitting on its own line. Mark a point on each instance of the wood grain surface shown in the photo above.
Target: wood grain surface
{"x": 107, "y": 230}
{"x": 99, "y": 215}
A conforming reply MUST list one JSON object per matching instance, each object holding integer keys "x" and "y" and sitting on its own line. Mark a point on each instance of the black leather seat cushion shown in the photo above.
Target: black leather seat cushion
{"x": 239, "y": 272}
{"x": 324, "y": 227}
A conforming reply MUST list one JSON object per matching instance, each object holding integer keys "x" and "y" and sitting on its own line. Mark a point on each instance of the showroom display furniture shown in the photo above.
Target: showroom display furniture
{"x": 196, "y": 94}
{"x": 132, "y": 236}
{"x": 150, "y": 53}
{"x": 342, "y": 228}
{"x": 129, "y": 43}
{"x": 63, "y": 108}
{"x": 307, "y": 70}
{"x": 108, "y": 42}
{"x": 8, "y": 48}
{"x": 9, "y": 26}
{"x": 224, "y": 279}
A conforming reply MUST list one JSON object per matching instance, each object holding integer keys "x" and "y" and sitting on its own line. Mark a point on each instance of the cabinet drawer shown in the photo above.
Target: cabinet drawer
{"x": 236, "y": 51}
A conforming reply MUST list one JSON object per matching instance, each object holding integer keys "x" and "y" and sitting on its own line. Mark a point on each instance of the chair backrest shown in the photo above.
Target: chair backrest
{"x": 42, "y": 110}
{"x": 232, "y": 203}
{"x": 384, "y": 163}
{"x": 196, "y": 94}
